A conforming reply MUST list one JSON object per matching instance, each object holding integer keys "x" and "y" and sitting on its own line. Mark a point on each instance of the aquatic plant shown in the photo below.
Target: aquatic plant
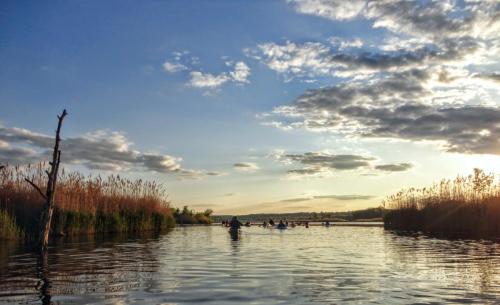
{"x": 8, "y": 226}
{"x": 463, "y": 206}
{"x": 85, "y": 204}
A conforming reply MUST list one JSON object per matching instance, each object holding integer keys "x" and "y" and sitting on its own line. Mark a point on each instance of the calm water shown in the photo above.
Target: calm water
{"x": 338, "y": 265}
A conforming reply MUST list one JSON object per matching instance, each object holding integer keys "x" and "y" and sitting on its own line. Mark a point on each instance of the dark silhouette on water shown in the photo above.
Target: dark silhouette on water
{"x": 43, "y": 285}
{"x": 234, "y": 228}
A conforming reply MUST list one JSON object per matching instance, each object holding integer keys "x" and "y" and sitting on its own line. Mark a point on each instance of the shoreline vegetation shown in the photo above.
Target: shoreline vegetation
{"x": 365, "y": 215}
{"x": 464, "y": 207}
{"x": 86, "y": 205}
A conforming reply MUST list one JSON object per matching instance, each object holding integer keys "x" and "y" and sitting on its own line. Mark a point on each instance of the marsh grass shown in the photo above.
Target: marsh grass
{"x": 464, "y": 206}
{"x": 84, "y": 204}
{"x": 8, "y": 227}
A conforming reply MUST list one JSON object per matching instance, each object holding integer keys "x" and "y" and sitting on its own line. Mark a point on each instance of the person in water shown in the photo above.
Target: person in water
{"x": 281, "y": 225}
{"x": 235, "y": 224}
{"x": 271, "y": 222}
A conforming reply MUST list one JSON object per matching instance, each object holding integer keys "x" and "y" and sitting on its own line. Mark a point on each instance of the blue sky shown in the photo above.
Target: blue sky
{"x": 249, "y": 106}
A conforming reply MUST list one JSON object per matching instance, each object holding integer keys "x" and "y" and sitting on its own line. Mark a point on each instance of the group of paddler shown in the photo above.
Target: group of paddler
{"x": 234, "y": 224}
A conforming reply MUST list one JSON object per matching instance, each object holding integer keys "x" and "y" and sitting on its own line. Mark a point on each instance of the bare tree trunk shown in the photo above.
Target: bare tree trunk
{"x": 46, "y": 217}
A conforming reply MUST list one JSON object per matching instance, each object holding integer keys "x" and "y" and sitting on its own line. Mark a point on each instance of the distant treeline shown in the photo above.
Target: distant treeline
{"x": 86, "y": 204}
{"x": 187, "y": 216}
{"x": 465, "y": 206}
{"x": 371, "y": 214}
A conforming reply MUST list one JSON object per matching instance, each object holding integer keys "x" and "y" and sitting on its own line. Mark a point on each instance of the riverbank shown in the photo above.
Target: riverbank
{"x": 466, "y": 206}
{"x": 370, "y": 214}
{"x": 86, "y": 205}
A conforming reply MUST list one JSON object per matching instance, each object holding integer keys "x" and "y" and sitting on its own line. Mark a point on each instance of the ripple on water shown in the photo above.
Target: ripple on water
{"x": 339, "y": 265}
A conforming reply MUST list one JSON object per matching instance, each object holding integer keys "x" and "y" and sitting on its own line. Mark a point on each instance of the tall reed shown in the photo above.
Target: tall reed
{"x": 465, "y": 205}
{"x": 85, "y": 204}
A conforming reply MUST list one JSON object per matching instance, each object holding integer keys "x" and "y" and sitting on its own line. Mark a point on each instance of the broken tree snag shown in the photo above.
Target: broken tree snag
{"x": 48, "y": 209}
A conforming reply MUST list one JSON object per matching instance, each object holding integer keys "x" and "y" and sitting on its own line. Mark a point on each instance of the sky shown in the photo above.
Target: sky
{"x": 255, "y": 106}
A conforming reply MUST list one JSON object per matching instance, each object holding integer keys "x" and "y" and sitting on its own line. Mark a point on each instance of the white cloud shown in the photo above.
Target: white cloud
{"x": 303, "y": 60}
{"x": 183, "y": 61}
{"x": 239, "y": 75}
{"x": 100, "y": 150}
{"x": 241, "y": 72}
{"x": 343, "y": 44}
{"x": 332, "y": 9}
{"x": 207, "y": 80}
{"x": 173, "y": 67}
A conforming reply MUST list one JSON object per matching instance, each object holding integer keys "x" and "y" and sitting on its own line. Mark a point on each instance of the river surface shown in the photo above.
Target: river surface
{"x": 203, "y": 265}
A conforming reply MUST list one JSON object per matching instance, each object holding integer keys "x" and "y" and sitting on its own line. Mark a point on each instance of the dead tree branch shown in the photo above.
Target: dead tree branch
{"x": 36, "y": 188}
{"x": 46, "y": 217}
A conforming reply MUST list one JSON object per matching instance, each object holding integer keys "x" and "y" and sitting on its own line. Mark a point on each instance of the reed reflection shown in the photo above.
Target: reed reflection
{"x": 85, "y": 266}
{"x": 471, "y": 264}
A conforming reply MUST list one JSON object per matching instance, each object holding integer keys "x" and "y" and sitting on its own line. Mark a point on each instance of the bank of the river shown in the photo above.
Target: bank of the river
{"x": 86, "y": 205}
{"x": 466, "y": 206}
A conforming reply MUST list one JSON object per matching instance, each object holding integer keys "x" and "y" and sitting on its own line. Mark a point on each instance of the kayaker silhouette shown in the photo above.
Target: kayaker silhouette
{"x": 234, "y": 227}
{"x": 281, "y": 225}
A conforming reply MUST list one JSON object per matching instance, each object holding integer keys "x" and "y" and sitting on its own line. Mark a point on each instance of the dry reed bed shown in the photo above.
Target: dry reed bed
{"x": 464, "y": 206}
{"x": 85, "y": 204}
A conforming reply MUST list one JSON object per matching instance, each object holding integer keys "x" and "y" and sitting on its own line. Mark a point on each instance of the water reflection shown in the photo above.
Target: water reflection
{"x": 340, "y": 265}
{"x": 77, "y": 268}
{"x": 462, "y": 264}
{"x": 43, "y": 285}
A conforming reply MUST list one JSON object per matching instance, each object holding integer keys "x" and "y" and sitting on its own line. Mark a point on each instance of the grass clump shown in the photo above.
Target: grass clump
{"x": 465, "y": 206}
{"x": 85, "y": 204}
{"x": 8, "y": 226}
{"x": 187, "y": 216}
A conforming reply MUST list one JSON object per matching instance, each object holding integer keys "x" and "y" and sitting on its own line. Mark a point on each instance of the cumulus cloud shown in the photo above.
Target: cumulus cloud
{"x": 15, "y": 155}
{"x": 312, "y": 59}
{"x": 427, "y": 18}
{"x": 179, "y": 61}
{"x": 246, "y": 166}
{"x": 239, "y": 75}
{"x": 100, "y": 150}
{"x": 322, "y": 164}
{"x": 398, "y": 107}
{"x": 343, "y": 44}
{"x": 400, "y": 167}
{"x": 331, "y": 161}
{"x": 490, "y": 76}
{"x": 419, "y": 35}
{"x": 333, "y": 9}
{"x": 183, "y": 61}
{"x": 291, "y": 59}
{"x": 207, "y": 80}
{"x": 173, "y": 67}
